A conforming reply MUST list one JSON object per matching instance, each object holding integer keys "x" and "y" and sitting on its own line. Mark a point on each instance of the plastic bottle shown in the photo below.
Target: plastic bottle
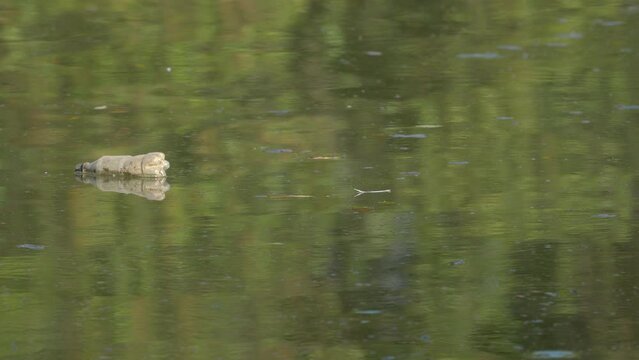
{"x": 146, "y": 165}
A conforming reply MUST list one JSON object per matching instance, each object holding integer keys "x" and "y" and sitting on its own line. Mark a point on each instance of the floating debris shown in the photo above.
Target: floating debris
{"x": 609, "y": 23}
{"x": 486, "y": 55}
{"x": 100, "y": 107}
{"x": 509, "y": 47}
{"x": 604, "y": 216}
{"x": 457, "y": 262}
{"x": 326, "y": 158}
{"x": 368, "y": 312}
{"x": 628, "y": 107}
{"x": 31, "y": 246}
{"x": 410, "y": 173}
{"x": 278, "y": 151}
{"x": 288, "y": 196}
{"x": 361, "y": 192}
{"x": 409, "y": 136}
{"x": 279, "y": 112}
{"x": 146, "y": 165}
{"x": 505, "y": 118}
{"x": 554, "y": 354}
{"x": 571, "y": 35}
{"x": 123, "y": 109}
{"x": 374, "y": 53}
{"x": 429, "y": 126}
{"x": 463, "y": 162}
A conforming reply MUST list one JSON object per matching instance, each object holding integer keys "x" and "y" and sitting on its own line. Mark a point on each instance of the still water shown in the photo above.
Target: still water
{"x": 501, "y": 137}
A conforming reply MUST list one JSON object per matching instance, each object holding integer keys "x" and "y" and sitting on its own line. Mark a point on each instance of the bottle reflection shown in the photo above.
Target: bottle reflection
{"x": 149, "y": 188}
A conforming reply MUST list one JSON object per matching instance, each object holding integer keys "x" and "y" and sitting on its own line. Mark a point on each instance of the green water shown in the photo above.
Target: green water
{"x": 506, "y": 131}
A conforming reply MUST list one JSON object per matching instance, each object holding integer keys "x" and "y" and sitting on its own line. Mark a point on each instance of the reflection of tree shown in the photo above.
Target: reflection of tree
{"x": 536, "y": 298}
{"x": 376, "y": 294}
{"x": 624, "y": 292}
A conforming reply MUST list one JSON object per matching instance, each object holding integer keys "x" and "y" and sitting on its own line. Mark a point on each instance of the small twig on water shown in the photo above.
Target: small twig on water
{"x": 360, "y": 192}
{"x": 282, "y": 197}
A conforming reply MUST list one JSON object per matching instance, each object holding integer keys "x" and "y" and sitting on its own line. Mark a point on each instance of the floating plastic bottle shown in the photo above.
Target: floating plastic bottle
{"x": 146, "y": 165}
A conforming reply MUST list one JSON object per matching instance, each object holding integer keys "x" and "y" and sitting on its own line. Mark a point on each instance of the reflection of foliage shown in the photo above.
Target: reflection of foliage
{"x": 531, "y": 146}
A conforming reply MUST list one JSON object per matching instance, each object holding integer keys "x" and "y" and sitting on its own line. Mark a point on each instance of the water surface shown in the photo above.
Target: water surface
{"x": 505, "y": 131}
